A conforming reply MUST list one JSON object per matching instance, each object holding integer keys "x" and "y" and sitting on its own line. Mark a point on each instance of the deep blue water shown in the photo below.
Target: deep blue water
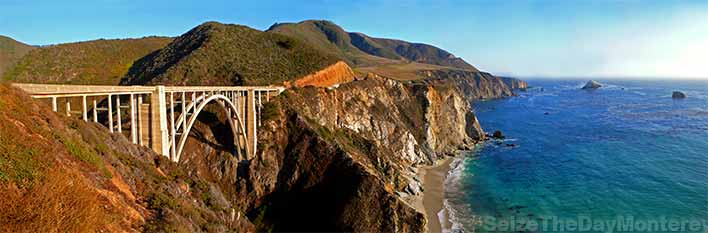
{"x": 627, "y": 150}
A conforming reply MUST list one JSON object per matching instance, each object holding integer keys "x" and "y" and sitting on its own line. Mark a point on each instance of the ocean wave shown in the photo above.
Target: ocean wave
{"x": 449, "y": 214}
{"x": 452, "y": 180}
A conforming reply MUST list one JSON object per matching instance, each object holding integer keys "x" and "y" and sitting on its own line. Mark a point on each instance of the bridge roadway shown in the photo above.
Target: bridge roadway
{"x": 161, "y": 117}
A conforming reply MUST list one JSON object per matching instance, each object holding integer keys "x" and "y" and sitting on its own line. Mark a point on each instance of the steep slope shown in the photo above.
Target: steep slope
{"x": 59, "y": 174}
{"x": 354, "y": 47}
{"x": 89, "y": 62}
{"x": 10, "y": 52}
{"x": 226, "y": 54}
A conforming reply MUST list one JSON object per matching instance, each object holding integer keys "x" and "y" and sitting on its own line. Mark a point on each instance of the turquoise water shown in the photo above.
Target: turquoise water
{"x": 625, "y": 151}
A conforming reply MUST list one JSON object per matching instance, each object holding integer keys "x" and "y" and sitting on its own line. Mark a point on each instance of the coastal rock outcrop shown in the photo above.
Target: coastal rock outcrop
{"x": 475, "y": 85}
{"x": 678, "y": 95}
{"x": 498, "y": 135}
{"x": 515, "y": 83}
{"x": 592, "y": 84}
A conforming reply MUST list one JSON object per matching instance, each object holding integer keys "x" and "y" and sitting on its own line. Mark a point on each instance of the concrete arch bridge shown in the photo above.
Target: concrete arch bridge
{"x": 161, "y": 117}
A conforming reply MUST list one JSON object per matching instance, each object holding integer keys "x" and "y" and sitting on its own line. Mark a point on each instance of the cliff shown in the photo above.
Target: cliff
{"x": 476, "y": 85}
{"x": 344, "y": 158}
{"x": 515, "y": 83}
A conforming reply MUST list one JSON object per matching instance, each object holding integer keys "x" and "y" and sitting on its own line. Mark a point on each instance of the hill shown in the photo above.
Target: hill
{"x": 361, "y": 50}
{"x": 10, "y": 52}
{"x": 89, "y": 62}
{"x": 228, "y": 54}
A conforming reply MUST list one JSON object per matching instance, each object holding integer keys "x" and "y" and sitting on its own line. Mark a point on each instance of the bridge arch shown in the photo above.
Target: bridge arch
{"x": 234, "y": 118}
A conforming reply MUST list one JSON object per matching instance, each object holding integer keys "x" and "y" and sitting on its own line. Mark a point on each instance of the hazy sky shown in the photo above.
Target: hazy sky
{"x": 667, "y": 38}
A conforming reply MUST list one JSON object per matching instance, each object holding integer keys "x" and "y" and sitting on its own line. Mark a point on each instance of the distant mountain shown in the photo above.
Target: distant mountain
{"x": 90, "y": 62}
{"x": 227, "y": 54}
{"x": 11, "y": 51}
{"x": 361, "y": 50}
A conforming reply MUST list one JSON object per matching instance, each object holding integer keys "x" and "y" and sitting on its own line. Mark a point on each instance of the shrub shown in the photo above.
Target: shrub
{"x": 271, "y": 110}
{"x": 159, "y": 201}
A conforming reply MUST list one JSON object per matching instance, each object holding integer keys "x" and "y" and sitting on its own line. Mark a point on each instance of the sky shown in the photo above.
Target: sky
{"x": 525, "y": 38}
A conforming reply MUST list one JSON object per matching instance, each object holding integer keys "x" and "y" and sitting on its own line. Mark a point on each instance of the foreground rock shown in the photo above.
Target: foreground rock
{"x": 592, "y": 84}
{"x": 678, "y": 95}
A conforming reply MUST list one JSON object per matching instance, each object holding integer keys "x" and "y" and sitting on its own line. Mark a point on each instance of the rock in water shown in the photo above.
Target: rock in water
{"x": 592, "y": 85}
{"x": 498, "y": 135}
{"x": 678, "y": 95}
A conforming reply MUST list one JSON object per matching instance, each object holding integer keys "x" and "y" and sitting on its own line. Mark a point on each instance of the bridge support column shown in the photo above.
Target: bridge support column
{"x": 158, "y": 122}
{"x": 250, "y": 115}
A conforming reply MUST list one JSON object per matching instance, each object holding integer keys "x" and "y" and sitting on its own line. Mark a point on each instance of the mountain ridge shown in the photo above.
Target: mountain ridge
{"x": 88, "y": 62}
{"x": 11, "y": 51}
{"x": 355, "y": 46}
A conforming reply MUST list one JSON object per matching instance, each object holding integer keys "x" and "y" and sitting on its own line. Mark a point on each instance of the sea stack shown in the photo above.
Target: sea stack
{"x": 498, "y": 135}
{"x": 592, "y": 84}
{"x": 678, "y": 95}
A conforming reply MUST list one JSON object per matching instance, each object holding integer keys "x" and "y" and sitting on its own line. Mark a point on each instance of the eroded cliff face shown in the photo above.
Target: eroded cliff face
{"x": 344, "y": 158}
{"x": 335, "y": 74}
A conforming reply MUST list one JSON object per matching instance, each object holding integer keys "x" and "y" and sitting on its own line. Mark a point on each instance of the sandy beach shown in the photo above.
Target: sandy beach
{"x": 433, "y": 193}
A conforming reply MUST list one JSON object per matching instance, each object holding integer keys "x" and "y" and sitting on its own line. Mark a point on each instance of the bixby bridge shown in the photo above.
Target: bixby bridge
{"x": 161, "y": 117}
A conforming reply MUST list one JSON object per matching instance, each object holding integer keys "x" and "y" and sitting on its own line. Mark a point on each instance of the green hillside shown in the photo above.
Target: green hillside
{"x": 10, "y": 52}
{"x": 361, "y": 50}
{"x": 328, "y": 38}
{"x": 89, "y": 62}
{"x": 227, "y": 54}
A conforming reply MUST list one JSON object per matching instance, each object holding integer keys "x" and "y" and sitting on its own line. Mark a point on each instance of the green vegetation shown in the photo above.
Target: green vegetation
{"x": 18, "y": 163}
{"x": 90, "y": 62}
{"x": 85, "y": 154}
{"x": 160, "y": 201}
{"x": 226, "y": 54}
{"x": 10, "y": 52}
{"x": 271, "y": 110}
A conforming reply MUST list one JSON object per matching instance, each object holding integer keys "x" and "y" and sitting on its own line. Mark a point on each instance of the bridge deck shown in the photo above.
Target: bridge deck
{"x": 79, "y": 90}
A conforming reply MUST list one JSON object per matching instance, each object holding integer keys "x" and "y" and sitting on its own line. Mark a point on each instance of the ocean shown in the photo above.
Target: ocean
{"x": 625, "y": 157}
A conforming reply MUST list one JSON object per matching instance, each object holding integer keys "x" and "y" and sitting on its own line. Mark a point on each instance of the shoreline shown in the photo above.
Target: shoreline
{"x": 432, "y": 202}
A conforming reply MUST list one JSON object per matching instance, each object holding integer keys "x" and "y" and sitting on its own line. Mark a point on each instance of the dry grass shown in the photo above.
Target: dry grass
{"x": 402, "y": 71}
{"x": 39, "y": 191}
{"x": 62, "y": 202}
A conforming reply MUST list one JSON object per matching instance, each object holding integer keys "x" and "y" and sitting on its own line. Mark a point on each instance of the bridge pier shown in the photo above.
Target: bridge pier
{"x": 250, "y": 115}
{"x": 158, "y": 122}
